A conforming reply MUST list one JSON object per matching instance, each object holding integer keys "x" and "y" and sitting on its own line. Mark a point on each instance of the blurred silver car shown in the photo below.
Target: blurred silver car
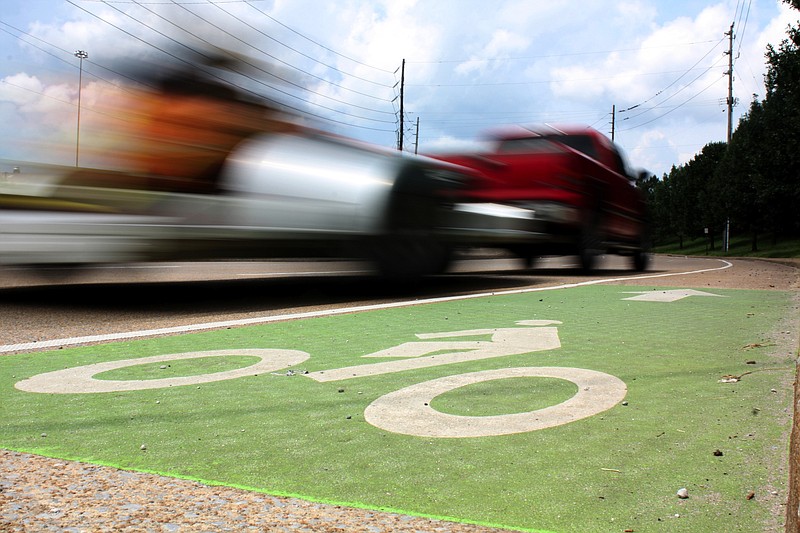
{"x": 277, "y": 195}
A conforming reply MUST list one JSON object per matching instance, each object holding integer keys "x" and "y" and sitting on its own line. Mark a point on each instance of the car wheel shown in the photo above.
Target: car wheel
{"x": 529, "y": 261}
{"x": 407, "y": 250}
{"x": 407, "y": 258}
{"x": 526, "y": 253}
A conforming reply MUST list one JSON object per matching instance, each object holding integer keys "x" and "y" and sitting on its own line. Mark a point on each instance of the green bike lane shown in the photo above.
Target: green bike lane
{"x": 581, "y": 408}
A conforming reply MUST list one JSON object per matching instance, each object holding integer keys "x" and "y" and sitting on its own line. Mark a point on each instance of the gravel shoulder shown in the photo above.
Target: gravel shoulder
{"x": 43, "y": 494}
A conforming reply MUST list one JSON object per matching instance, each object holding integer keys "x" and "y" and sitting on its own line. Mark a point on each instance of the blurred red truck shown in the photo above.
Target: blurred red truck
{"x": 572, "y": 185}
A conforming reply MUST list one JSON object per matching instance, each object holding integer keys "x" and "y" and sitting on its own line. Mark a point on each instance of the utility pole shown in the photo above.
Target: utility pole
{"x": 416, "y": 138}
{"x": 726, "y": 237}
{"x": 730, "y": 82}
{"x": 613, "y": 120}
{"x": 402, "y": 87}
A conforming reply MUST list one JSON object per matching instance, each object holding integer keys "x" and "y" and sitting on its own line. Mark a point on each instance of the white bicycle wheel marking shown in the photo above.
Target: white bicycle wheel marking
{"x": 81, "y": 379}
{"x": 408, "y": 411}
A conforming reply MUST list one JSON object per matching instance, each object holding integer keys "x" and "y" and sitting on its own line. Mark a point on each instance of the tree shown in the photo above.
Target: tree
{"x": 740, "y": 173}
{"x": 702, "y": 169}
{"x": 684, "y": 203}
{"x": 782, "y": 130}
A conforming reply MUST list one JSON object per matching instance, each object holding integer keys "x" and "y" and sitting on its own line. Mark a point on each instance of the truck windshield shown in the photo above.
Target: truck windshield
{"x": 581, "y": 143}
{"x": 549, "y": 144}
{"x": 529, "y": 145}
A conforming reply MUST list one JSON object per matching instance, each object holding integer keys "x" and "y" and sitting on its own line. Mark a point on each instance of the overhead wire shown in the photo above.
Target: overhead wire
{"x": 547, "y": 56}
{"x": 110, "y": 82}
{"x": 61, "y": 59}
{"x": 740, "y": 38}
{"x": 675, "y": 108}
{"x": 258, "y": 81}
{"x": 684, "y": 73}
{"x": 679, "y": 78}
{"x": 257, "y": 67}
{"x": 545, "y": 82}
{"x": 715, "y": 65}
{"x": 219, "y": 78}
{"x": 239, "y": 19}
{"x": 314, "y": 42}
{"x": 743, "y": 26}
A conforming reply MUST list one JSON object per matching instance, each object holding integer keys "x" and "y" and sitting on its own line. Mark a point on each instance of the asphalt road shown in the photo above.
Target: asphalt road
{"x": 56, "y": 304}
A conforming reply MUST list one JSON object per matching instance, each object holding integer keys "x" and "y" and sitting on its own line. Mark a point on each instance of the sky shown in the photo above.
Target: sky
{"x": 651, "y": 71}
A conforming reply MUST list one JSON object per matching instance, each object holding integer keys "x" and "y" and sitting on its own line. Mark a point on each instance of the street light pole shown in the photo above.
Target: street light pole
{"x": 81, "y": 55}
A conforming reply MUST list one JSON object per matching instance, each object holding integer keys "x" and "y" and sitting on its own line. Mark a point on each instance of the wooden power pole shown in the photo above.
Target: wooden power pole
{"x": 730, "y": 82}
{"x": 613, "y": 120}
{"x": 402, "y": 84}
{"x": 416, "y": 138}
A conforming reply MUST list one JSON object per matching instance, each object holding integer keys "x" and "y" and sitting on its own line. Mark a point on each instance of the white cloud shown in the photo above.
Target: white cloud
{"x": 502, "y": 43}
{"x": 661, "y": 57}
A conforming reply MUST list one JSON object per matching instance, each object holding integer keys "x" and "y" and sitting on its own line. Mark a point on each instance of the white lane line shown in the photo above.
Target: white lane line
{"x": 329, "y": 312}
{"x": 300, "y": 274}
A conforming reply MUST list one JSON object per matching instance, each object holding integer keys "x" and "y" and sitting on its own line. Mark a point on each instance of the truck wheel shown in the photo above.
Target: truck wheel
{"x": 642, "y": 256}
{"x": 589, "y": 249}
{"x": 641, "y": 260}
{"x": 588, "y": 259}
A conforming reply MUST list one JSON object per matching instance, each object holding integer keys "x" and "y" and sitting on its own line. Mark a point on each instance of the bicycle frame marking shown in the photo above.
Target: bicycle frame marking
{"x": 504, "y": 341}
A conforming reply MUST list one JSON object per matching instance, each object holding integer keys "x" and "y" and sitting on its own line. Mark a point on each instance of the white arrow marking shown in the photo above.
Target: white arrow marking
{"x": 668, "y": 296}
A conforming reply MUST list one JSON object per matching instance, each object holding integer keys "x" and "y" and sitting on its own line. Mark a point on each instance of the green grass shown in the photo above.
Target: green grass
{"x": 620, "y": 469}
{"x": 741, "y": 246}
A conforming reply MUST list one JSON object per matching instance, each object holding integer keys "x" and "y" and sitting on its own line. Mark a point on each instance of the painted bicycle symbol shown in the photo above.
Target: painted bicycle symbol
{"x": 408, "y": 410}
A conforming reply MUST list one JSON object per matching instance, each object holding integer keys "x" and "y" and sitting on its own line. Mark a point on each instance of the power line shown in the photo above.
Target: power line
{"x": 677, "y": 79}
{"x": 269, "y": 73}
{"x": 314, "y": 42}
{"x": 547, "y": 56}
{"x": 674, "y": 108}
{"x": 292, "y": 49}
{"x": 544, "y": 82}
{"x": 219, "y": 78}
{"x": 61, "y": 59}
{"x": 31, "y": 44}
{"x": 743, "y": 26}
{"x": 173, "y": 2}
{"x": 672, "y": 96}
